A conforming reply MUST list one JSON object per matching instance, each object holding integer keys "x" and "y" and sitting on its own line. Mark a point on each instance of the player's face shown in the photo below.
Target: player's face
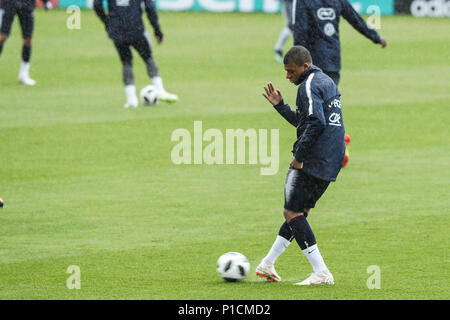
{"x": 293, "y": 72}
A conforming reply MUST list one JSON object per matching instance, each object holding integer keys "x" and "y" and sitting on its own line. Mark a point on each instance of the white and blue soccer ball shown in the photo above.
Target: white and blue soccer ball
{"x": 149, "y": 95}
{"x": 233, "y": 266}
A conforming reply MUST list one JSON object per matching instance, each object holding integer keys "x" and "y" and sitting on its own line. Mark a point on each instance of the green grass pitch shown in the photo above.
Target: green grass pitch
{"x": 89, "y": 183}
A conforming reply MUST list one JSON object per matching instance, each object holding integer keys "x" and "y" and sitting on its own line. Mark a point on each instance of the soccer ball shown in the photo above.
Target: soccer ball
{"x": 233, "y": 266}
{"x": 149, "y": 95}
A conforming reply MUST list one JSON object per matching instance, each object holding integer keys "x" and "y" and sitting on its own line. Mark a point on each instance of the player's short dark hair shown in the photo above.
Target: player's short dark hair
{"x": 298, "y": 55}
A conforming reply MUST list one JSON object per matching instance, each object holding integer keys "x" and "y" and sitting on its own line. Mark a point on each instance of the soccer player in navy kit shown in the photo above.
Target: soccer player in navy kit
{"x": 125, "y": 27}
{"x": 318, "y": 156}
{"x": 25, "y": 11}
{"x": 316, "y": 27}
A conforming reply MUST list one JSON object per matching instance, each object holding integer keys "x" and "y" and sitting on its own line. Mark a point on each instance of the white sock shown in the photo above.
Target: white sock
{"x": 315, "y": 258}
{"x": 24, "y": 68}
{"x": 158, "y": 83}
{"x": 285, "y": 34}
{"x": 130, "y": 91}
{"x": 277, "y": 249}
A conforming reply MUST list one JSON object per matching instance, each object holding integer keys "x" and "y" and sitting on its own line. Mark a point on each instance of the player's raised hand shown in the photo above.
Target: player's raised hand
{"x": 272, "y": 95}
{"x": 383, "y": 43}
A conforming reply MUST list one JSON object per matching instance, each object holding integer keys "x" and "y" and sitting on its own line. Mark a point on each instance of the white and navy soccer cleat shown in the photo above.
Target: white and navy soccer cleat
{"x": 324, "y": 277}
{"x": 267, "y": 272}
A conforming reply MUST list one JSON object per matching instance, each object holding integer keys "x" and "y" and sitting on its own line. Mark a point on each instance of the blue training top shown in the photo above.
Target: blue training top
{"x": 316, "y": 27}
{"x": 124, "y": 19}
{"x": 320, "y": 141}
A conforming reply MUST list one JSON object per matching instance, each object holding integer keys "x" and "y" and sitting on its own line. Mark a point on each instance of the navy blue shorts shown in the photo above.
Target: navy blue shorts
{"x": 26, "y": 19}
{"x": 301, "y": 191}
{"x": 142, "y": 46}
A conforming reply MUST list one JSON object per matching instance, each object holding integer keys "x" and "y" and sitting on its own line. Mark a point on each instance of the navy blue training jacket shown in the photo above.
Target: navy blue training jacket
{"x": 124, "y": 19}
{"x": 316, "y": 27}
{"x": 320, "y": 141}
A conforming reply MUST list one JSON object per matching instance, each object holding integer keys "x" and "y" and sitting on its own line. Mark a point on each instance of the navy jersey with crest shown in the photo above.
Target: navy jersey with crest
{"x": 318, "y": 118}
{"x": 124, "y": 19}
{"x": 316, "y": 27}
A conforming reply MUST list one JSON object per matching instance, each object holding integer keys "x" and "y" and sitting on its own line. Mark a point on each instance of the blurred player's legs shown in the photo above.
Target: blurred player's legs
{"x": 25, "y": 12}
{"x": 144, "y": 48}
{"x": 126, "y": 58}
{"x": 26, "y": 19}
{"x": 7, "y": 14}
{"x": 286, "y": 33}
{"x": 24, "y": 73}
{"x": 130, "y": 88}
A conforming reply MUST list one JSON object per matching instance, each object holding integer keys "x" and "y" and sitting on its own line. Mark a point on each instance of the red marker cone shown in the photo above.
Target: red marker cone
{"x": 347, "y": 153}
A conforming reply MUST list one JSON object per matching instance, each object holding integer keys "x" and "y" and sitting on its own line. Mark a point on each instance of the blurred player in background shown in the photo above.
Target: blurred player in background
{"x": 286, "y": 33}
{"x": 125, "y": 27}
{"x": 316, "y": 27}
{"x": 25, "y": 11}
